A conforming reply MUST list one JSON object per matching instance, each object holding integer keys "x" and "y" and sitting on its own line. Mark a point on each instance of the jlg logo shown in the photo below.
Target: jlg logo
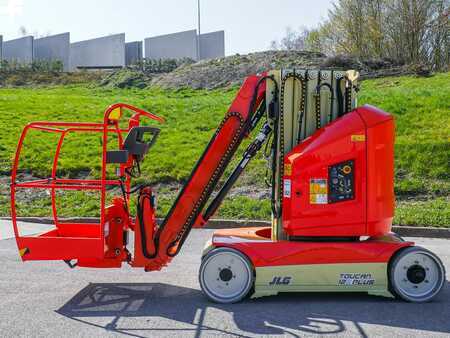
{"x": 277, "y": 280}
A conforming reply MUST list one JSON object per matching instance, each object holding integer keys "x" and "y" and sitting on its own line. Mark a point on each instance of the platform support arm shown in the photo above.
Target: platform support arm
{"x": 249, "y": 153}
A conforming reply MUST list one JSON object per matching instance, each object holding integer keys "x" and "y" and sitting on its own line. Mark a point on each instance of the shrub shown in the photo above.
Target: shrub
{"x": 54, "y": 66}
{"x": 152, "y": 66}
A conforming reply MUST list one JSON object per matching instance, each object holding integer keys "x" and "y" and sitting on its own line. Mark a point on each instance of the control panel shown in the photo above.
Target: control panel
{"x": 341, "y": 182}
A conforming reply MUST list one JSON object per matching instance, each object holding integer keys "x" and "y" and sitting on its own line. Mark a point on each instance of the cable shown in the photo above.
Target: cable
{"x": 140, "y": 217}
{"x": 267, "y": 156}
{"x": 318, "y": 88}
{"x": 124, "y": 195}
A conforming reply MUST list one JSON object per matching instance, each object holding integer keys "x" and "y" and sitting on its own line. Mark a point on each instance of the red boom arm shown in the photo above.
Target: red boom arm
{"x": 156, "y": 251}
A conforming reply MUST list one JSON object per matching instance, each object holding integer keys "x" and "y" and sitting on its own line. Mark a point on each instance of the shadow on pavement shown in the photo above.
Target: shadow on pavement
{"x": 293, "y": 314}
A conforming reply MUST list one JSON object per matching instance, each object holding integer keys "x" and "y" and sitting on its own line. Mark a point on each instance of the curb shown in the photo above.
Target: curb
{"x": 404, "y": 231}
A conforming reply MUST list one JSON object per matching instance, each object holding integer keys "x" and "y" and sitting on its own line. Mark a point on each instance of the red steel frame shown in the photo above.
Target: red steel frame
{"x": 89, "y": 238}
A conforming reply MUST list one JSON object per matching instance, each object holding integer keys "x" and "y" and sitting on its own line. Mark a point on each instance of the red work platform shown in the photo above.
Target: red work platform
{"x": 72, "y": 240}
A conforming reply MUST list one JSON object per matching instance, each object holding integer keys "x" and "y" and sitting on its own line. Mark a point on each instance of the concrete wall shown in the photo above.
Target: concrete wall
{"x": 53, "y": 48}
{"x": 172, "y": 46}
{"x": 19, "y": 50}
{"x": 133, "y": 52}
{"x": 112, "y": 51}
{"x": 104, "y": 52}
{"x": 212, "y": 45}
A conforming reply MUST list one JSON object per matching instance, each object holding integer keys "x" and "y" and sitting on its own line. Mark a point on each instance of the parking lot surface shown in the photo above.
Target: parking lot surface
{"x": 48, "y": 299}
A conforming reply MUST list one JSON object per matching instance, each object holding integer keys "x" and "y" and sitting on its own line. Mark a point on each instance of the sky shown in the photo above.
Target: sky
{"x": 250, "y": 25}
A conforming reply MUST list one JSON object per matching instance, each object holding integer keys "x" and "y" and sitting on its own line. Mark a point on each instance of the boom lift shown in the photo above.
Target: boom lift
{"x": 331, "y": 176}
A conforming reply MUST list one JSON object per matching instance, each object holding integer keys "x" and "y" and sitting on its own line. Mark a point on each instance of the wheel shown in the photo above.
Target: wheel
{"x": 416, "y": 275}
{"x": 226, "y": 275}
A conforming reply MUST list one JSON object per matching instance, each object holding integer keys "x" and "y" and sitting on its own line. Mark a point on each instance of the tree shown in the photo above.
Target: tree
{"x": 409, "y": 31}
{"x": 292, "y": 40}
{"x": 23, "y": 31}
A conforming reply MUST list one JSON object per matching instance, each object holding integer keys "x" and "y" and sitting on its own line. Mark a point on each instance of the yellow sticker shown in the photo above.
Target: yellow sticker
{"x": 318, "y": 191}
{"x": 318, "y": 199}
{"x": 358, "y": 138}
{"x": 288, "y": 169}
{"x": 115, "y": 114}
{"x": 22, "y": 252}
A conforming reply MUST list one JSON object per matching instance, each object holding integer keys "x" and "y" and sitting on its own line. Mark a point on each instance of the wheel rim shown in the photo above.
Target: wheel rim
{"x": 418, "y": 275}
{"x": 226, "y": 275}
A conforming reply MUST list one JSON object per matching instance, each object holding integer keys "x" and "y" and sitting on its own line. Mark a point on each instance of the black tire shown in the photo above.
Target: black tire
{"x": 218, "y": 275}
{"x": 416, "y": 275}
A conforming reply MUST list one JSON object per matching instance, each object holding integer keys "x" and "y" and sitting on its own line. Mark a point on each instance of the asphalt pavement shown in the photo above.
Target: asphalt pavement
{"x": 47, "y": 299}
{"x": 7, "y": 231}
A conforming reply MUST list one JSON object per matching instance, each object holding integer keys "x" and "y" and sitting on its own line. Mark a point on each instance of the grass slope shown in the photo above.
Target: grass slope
{"x": 420, "y": 106}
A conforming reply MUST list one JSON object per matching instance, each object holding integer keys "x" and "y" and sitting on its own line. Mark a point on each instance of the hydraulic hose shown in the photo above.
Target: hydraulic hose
{"x": 249, "y": 153}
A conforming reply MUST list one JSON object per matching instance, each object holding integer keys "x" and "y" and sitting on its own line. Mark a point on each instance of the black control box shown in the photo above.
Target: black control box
{"x": 341, "y": 182}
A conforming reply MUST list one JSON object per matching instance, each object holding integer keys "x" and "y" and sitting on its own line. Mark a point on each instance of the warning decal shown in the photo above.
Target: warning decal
{"x": 318, "y": 191}
{"x": 358, "y": 138}
{"x": 288, "y": 169}
{"x": 287, "y": 188}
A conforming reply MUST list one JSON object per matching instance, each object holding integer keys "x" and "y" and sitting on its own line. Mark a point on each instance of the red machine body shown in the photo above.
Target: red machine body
{"x": 364, "y": 141}
{"x": 357, "y": 202}
{"x": 256, "y": 243}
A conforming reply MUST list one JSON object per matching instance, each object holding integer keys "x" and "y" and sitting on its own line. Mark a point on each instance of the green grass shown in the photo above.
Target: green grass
{"x": 191, "y": 117}
{"x": 434, "y": 212}
{"x": 420, "y": 105}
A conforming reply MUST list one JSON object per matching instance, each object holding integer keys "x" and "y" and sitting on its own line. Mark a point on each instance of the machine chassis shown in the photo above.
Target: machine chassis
{"x": 313, "y": 266}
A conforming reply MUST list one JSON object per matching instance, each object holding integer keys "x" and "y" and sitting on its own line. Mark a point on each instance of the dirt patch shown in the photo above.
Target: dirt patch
{"x": 231, "y": 70}
{"x": 126, "y": 78}
{"x": 211, "y": 74}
